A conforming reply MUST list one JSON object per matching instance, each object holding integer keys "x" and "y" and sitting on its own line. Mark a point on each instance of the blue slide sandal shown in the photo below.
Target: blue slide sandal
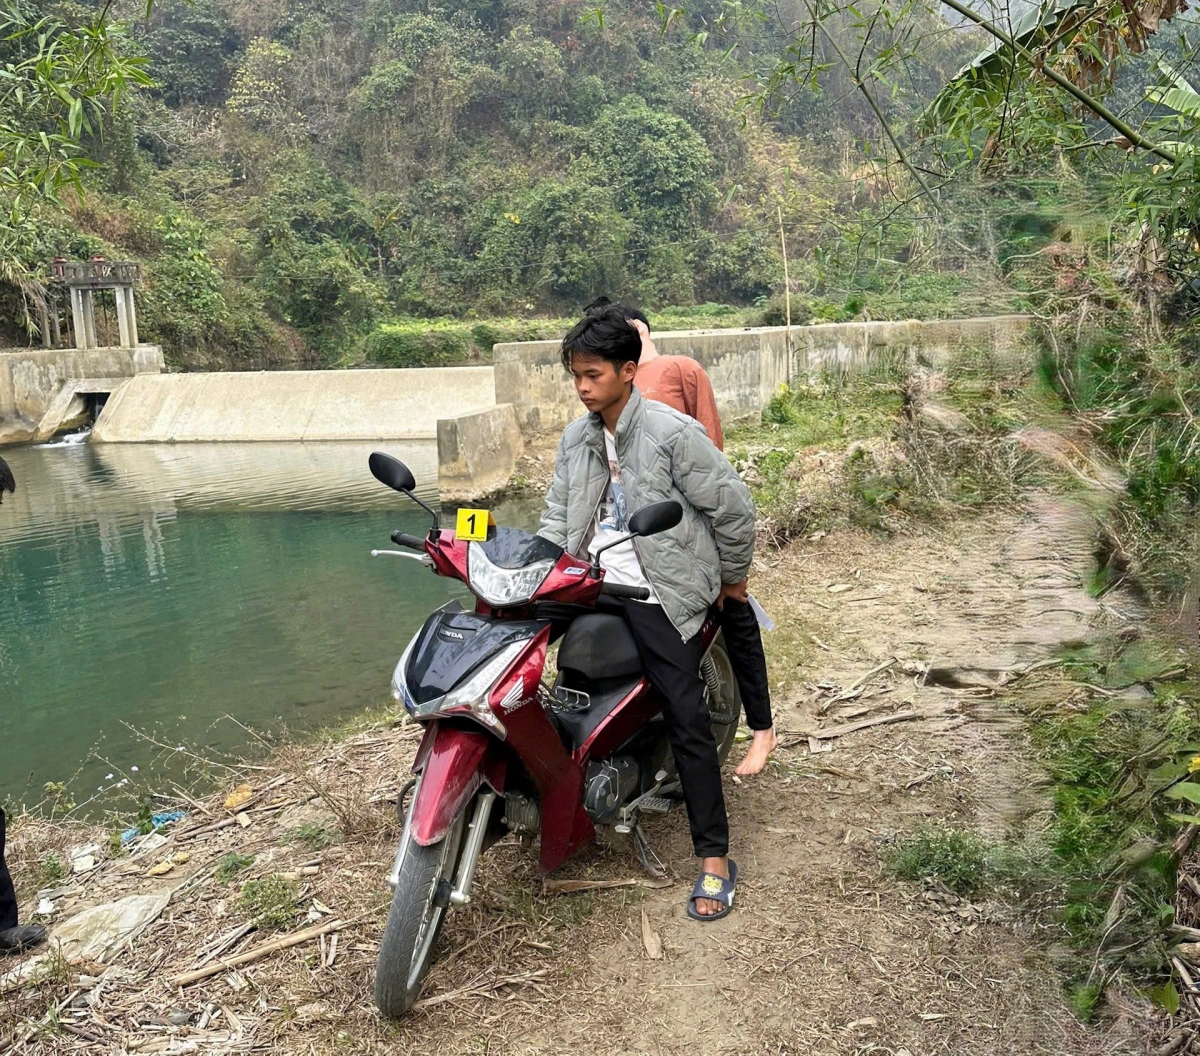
{"x": 718, "y": 889}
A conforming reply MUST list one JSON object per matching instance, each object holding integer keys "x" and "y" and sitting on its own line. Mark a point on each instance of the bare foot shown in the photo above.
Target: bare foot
{"x": 761, "y": 747}
{"x": 706, "y": 907}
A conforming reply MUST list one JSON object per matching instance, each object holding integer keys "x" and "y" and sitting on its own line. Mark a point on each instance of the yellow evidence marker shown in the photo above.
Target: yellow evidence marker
{"x": 472, "y": 525}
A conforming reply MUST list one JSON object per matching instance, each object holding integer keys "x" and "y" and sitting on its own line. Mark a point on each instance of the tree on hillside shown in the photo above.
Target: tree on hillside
{"x": 60, "y": 86}
{"x": 1046, "y": 81}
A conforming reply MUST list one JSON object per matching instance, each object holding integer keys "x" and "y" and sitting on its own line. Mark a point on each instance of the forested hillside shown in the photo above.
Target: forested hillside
{"x": 305, "y": 175}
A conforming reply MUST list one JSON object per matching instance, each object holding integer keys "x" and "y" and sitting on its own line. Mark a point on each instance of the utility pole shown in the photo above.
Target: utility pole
{"x": 787, "y": 292}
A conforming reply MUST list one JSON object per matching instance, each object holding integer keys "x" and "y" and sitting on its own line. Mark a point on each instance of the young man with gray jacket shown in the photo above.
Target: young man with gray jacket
{"x": 629, "y": 452}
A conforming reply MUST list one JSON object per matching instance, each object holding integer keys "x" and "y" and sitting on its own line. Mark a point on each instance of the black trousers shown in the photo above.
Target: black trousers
{"x": 8, "y": 896}
{"x": 743, "y": 637}
{"x": 673, "y": 667}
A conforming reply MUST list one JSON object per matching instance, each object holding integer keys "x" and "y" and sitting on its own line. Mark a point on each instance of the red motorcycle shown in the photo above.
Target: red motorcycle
{"x": 506, "y": 752}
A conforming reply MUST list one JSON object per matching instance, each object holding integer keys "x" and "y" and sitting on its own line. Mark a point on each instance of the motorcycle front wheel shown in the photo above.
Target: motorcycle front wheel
{"x": 418, "y": 911}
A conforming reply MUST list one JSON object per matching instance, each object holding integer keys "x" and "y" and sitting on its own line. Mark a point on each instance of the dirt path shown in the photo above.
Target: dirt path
{"x": 825, "y": 953}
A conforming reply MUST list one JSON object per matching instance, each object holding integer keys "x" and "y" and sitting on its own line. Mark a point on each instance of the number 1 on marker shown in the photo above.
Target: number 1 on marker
{"x": 472, "y": 525}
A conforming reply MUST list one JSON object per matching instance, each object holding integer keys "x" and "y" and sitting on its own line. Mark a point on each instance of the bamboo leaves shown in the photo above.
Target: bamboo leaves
{"x": 57, "y": 86}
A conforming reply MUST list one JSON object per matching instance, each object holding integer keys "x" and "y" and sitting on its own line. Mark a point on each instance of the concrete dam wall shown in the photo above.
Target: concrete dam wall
{"x": 748, "y": 366}
{"x": 476, "y": 414}
{"x": 293, "y": 405}
{"x": 32, "y": 381}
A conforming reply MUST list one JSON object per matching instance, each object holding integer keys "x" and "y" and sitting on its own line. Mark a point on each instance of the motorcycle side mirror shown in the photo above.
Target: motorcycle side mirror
{"x": 391, "y": 471}
{"x": 397, "y": 476}
{"x": 655, "y": 518}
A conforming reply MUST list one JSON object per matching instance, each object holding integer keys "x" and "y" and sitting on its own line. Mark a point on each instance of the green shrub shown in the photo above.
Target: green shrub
{"x": 781, "y": 408}
{"x": 50, "y": 870}
{"x": 1140, "y": 391}
{"x": 954, "y": 856}
{"x": 271, "y": 901}
{"x": 485, "y": 335}
{"x": 436, "y": 342}
{"x": 1085, "y": 1000}
{"x": 313, "y": 837}
{"x": 402, "y": 345}
{"x": 232, "y": 864}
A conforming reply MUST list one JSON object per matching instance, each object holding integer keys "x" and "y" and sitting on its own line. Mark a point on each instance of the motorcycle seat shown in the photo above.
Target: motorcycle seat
{"x": 599, "y": 657}
{"x": 576, "y": 725}
{"x": 599, "y": 646}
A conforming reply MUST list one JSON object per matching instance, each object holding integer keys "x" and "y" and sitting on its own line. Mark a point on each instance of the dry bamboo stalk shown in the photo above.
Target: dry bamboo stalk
{"x": 479, "y": 988}
{"x": 259, "y": 952}
{"x": 845, "y": 694}
{"x": 1184, "y": 974}
{"x": 566, "y": 887}
{"x": 862, "y": 724}
{"x": 1184, "y": 840}
{"x": 225, "y": 941}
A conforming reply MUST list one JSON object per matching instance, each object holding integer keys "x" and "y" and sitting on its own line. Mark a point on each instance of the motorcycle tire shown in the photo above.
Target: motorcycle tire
{"x": 415, "y": 919}
{"x": 724, "y": 709}
{"x": 724, "y": 699}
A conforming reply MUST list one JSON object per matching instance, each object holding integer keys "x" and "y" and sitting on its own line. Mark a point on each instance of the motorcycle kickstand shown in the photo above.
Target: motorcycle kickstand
{"x": 651, "y": 862}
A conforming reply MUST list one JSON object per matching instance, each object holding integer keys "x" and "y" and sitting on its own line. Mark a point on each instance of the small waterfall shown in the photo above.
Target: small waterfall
{"x": 70, "y": 439}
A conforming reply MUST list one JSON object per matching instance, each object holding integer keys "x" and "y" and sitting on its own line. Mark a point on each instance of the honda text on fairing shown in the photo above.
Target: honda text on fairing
{"x": 507, "y": 751}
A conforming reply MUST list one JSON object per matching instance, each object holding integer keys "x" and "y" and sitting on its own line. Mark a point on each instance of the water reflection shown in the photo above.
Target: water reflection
{"x": 166, "y": 586}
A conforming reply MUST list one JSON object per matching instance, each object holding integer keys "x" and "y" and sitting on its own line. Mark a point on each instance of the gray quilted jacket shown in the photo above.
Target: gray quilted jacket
{"x": 663, "y": 455}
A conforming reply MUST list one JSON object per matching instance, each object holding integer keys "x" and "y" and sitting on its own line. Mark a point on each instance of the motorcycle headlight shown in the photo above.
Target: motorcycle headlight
{"x": 500, "y": 587}
{"x": 473, "y": 694}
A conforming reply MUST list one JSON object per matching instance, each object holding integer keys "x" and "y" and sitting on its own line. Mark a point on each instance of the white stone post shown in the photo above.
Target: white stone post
{"x": 77, "y": 324}
{"x": 89, "y": 318}
{"x": 121, "y": 295}
{"x": 132, "y": 317}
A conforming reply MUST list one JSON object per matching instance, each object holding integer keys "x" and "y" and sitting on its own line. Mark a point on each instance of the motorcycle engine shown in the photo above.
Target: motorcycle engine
{"x": 522, "y": 815}
{"x": 610, "y": 782}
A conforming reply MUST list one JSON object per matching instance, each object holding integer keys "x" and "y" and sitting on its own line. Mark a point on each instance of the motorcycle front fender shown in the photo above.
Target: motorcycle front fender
{"x": 454, "y": 763}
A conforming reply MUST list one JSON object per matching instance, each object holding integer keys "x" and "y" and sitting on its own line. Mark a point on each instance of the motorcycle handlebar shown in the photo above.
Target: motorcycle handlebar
{"x": 619, "y": 590}
{"x": 413, "y": 542}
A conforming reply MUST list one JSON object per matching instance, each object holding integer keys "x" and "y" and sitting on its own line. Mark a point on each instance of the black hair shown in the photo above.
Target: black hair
{"x": 603, "y": 333}
{"x": 627, "y": 310}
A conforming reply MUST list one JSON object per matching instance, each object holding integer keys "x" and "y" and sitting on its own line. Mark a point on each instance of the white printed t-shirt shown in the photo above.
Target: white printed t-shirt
{"x": 620, "y": 563}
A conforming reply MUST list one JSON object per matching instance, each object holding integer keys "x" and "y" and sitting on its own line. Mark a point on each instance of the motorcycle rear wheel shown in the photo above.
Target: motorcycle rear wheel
{"x": 724, "y": 697}
{"x": 724, "y": 700}
{"x": 415, "y": 919}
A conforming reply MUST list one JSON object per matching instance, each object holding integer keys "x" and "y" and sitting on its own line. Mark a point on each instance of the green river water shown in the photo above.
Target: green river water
{"x": 157, "y": 590}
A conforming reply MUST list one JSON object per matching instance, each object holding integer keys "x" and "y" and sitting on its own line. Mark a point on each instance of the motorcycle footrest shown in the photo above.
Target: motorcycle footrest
{"x": 656, "y": 805}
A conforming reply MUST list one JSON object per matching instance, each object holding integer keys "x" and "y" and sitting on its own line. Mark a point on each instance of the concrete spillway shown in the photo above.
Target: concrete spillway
{"x": 42, "y": 390}
{"x": 308, "y": 405}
